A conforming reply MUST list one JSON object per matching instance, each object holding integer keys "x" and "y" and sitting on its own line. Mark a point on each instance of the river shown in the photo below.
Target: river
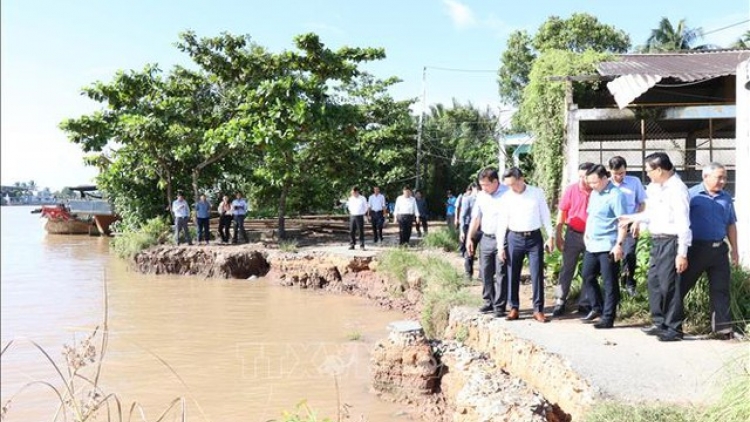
{"x": 233, "y": 349}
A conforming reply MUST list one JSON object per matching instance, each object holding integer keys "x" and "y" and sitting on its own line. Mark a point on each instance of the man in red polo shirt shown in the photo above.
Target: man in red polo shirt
{"x": 571, "y": 213}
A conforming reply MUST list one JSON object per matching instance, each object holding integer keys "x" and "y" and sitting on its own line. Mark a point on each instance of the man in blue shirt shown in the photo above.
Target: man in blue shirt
{"x": 202, "y": 218}
{"x": 239, "y": 210}
{"x": 603, "y": 238}
{"x": 635, "y": 195}
{"x": 712, "y": 219}
{"x": 450, "y": 210}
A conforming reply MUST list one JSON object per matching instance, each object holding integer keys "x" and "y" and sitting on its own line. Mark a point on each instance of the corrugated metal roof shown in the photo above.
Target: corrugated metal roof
{"x": 685, "y": 66}
{"x": 637, "y": 73}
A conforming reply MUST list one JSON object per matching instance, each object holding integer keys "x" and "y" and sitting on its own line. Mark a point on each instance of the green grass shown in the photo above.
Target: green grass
{"x": 443, "y": 286}
{"x": 288, "y": 245}
{"x": 128, "y": 243}
{"x": 617, "y": 412}
{"x": 444, "y": 238}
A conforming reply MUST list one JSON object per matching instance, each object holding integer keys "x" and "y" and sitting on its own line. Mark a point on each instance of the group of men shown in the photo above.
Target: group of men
{"x": 599, "y": 220}
{"x": 229, "y": 212}
{"x": 409, "y": 210}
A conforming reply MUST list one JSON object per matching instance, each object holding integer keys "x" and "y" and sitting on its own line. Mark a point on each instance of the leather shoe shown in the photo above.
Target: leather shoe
{"x": 558, "y": 311}
{"x": 670, "y": 336}
{"x": 653, "y": 330}
{"x": 583, "y": 310}
{"x": 500, "y": 313}
{"x": 512, "y": 315}
{"x": 604, "y": 324}
{"x": 486, "y": 309}
{"x": 590, "y": 317}
{"x": 539, "y": 316}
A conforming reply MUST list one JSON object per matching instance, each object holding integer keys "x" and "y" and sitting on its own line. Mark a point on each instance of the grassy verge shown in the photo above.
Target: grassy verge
{"x": 443, "y": 238}
{"x": 128, "y": 243}
{"x": 441, "y": 285}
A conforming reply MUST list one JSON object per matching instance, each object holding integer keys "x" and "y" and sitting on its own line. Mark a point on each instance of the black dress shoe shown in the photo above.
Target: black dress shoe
{"x": 590, "y": 317}
{"x": 604, "y": 324}
{"x": 558, "y": 311}
{"x": 653, "y": 330}
{"x": 351, "y": 248}
{"x": 583, "y": 310}
{"x": 487, "y": 309}
{"x": 670, "y": 335}
{"x": 500, "y": 313}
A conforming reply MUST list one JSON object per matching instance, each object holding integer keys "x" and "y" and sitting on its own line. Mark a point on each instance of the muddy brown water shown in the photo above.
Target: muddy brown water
{"x": 234, "y": 349}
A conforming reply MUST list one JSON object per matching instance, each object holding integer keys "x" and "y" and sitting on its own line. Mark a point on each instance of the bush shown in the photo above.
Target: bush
{"x": 128, "y": 243}
{"x": 444, "y": 238}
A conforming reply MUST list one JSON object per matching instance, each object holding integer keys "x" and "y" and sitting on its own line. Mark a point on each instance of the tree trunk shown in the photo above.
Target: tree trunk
{"x": 196, "y": 173}
{"x": 282, "y": 211}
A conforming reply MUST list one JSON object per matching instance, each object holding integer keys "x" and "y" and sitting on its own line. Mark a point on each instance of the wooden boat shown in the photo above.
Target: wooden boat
{"x": 89, "y": 215}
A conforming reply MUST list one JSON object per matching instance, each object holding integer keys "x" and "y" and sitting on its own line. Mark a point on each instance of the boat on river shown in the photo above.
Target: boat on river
{"x": 89, "y": 214}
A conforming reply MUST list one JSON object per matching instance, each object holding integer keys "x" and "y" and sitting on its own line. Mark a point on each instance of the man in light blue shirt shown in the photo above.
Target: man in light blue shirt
{"x": 603, "y": 238}
{"x": 239, "y": 210}
{"x": 635, "y": 196}
{"x": 203, "y": 218}
{"x": 181, "y": 211}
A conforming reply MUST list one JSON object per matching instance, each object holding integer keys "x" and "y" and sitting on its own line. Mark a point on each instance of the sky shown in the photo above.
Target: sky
{"x": 50, "y": 49}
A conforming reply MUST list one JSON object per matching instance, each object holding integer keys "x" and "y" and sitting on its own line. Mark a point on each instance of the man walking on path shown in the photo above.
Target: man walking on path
{"x": 421, "y": 222}
{"x": 468, "y": 199}
{"x": 450, "y": 210}
{"x": 484, "y": 217}
{"x": 572, "y": 214}
{"x": 181, "y": 211}
{"x": 239, "y": 210}
{"x": 357, "y": 206}
{"x": 604, "y": 239}
{"x": 404, "y": 212}
{"x": 202, "y": 219}
{"x": 376, "y": 211}
{"x": 635, "y": 194}
{"x": 712, "y": 220}
{"x": 523, "y": 212}
{"x": 667, "y": 213}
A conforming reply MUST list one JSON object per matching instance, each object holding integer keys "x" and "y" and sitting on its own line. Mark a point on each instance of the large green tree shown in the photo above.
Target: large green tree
{"x": 669, "y": 37}
{"x": 578, "y": 33}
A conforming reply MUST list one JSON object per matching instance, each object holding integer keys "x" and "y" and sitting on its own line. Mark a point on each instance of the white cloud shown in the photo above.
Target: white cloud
{"x": 460, "y": 14}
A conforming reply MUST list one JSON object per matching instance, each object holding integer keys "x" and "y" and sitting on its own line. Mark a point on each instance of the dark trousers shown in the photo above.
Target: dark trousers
{"x": 225, "y": 222}
{"x": 573, "y": 251}
{"x": 421, "y": 224}
{"x": 469, "y": 257}
{"x": 494, "y": 274}
{"x": 239, "y": 227}
{"x": 629, "y": 259}
{"x": 357, "y": 224}
{"x": 203, "y": 229}
{"x": 181, "y": 226}
{"x": 405, "y": 222}
{"x": 521, "y": 245}
{"x": 711, "y": 258}
{"x": 376, "y": 221}
{"x": 450, "y": 220}
{"x": 602, "y": 263}
{"x": 664, "y": 290}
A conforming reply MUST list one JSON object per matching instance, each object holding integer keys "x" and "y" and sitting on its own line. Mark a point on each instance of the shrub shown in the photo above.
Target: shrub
{"x": 444, "y": 238}
{"x": 288, "y": 245}
{"x": 128, "y": 243}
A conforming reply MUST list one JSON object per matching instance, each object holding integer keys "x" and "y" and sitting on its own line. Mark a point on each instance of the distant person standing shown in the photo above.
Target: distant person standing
{"x": 667, "y": 213}
{"x": 225, "y": 218}
{"x": 357, "y": 206}
{"x": 239, "y": 211}
{"x": 572, "y": 214}
{"x": 484, "y": 218}
{"x": 604, "y": 239}
{"x": 450, "y": 210}
{"x": 523, "y": 212}
{"x": 712, "y": 220}
{"x": 377, "y": 211}
{"x": 635, "y": 194}
{"x": 421, "y": 221}
{"x": 404, "y": 212}
{"x": 202, "y": 219}
{"x": 181, "y": 211}
{"x": 465, "y": 208}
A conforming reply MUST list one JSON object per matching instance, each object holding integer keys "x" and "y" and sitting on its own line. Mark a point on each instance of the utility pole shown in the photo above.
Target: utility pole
{"x": 419, "y": 127}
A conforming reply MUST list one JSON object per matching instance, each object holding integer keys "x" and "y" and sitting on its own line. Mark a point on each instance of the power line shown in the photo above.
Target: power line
{"x": 726, "y": 27}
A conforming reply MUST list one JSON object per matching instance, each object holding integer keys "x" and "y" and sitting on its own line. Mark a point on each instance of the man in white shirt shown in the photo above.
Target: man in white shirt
{"x": 668, "y": 216}
{"x": 181, "y": 211}
{"x": 523, "y": 212}
{"x": 483, "y": 226}
{"x": 357, "y": 206}
{"x": 404, "y": 212}
{"x": 376, "y": 210}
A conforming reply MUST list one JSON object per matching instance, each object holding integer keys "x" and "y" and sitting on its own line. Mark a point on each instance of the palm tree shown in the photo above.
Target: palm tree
{"x": 743, "y": 41}
{"x": 667, "y": 37}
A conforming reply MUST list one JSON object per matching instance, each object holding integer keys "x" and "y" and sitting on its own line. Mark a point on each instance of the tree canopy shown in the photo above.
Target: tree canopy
{"x": 669, "y": 37}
